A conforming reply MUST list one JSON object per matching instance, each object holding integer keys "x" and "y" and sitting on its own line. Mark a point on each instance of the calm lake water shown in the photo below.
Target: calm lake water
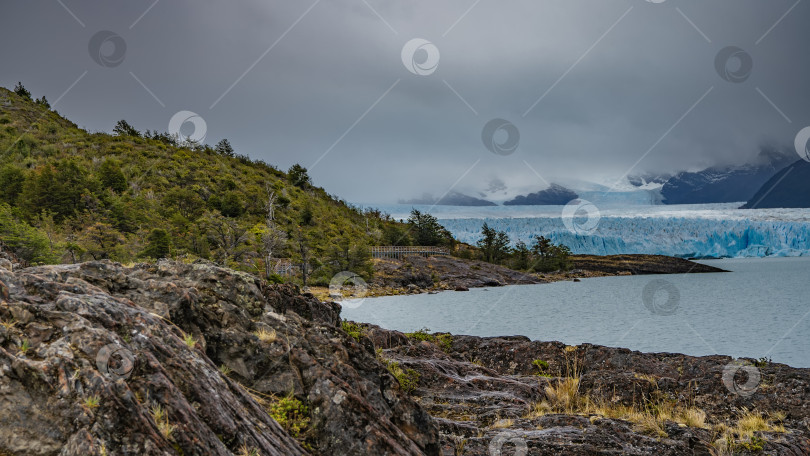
{"x": 760, "y": 309}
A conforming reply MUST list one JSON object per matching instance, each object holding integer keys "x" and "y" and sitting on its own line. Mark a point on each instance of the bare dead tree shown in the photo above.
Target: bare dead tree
{"x": 229, "y": 237}
{"x": 303, "y": 250}
{"x": 274, "y": 238}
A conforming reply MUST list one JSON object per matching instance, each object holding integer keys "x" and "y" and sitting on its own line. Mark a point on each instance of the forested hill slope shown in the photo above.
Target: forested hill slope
{"x": 67, "y": 195}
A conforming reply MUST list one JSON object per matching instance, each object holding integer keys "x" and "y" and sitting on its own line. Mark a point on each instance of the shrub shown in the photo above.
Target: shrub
{"x": 275, "y": 278}
{"x": 352, "y": 329}
{"x": 443, "y": 341}
{"x": 541, "y": 365}
{"x": 92, "y": 402}
{"x": 291, "y": 414}
{"x": 421, "y": 335}
{"x": 408, "y": 378}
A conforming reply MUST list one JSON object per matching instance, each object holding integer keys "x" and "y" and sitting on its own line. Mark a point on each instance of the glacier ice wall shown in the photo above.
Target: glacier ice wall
{"x": 675, "y": 236}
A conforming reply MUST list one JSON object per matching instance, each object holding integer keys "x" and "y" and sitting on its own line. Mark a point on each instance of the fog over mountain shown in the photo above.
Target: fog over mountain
{"x": 587, "y": 89}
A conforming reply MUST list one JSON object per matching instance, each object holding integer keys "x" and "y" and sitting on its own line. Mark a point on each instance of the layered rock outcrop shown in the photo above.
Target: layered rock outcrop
{"x": 496, "y": 396}
{"x": 99, "y": 358}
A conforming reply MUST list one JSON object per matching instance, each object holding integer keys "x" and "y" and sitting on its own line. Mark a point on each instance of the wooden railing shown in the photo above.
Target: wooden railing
{"x": 397, "y": 251}
{"x": 284, "y": 266}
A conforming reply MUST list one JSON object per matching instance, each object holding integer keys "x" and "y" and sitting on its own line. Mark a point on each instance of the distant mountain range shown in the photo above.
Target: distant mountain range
{"x": 724, "y": 184}
{"x": 789, "y": 187}
{"x": 758, "y": 183}
{"x": 451, "y": 199}
{"x": 552, "y": 196}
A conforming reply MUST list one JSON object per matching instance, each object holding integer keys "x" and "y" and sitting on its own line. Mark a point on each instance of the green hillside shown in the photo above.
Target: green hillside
{"x": 67, "y": 195}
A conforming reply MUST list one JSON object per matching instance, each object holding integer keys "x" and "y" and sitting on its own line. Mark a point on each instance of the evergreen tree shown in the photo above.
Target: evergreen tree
{"x": 231, "y": 205}
{"x": 550, "y": 257}
{"x": 158, "y": 244}
{"x": 123, "y": 128}
{"x": 494, "y": 244}
{"x": 25, "y": 241}
{"x": 426, "y": 230}
{"x": 185, "y": 201}
{"x": 43, "y": 102}
{"x": 111, "y": 176}
{"x": 12, "y": 179}
{"x": 396, "y": 235}
{"x": 20, "y": 90}
{"x": 306, "y": 216}
{"x": 57, "y": 189}
{"x": 99, "y": 240}
{"x": 224, "y": 148}
{"x": 298, "y": 176}
{"x": 521, "y": 256}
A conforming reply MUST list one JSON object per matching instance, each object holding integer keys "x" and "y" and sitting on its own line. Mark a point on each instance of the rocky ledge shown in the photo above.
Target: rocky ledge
{"x": 167, "y": 359}
{"x": 416, "y": 274}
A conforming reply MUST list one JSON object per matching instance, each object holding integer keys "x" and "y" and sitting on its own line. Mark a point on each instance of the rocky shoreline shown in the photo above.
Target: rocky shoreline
{"x": 172, "y": 358}
{"x": 508, "y": 394}
{"x": 416, "y": 274}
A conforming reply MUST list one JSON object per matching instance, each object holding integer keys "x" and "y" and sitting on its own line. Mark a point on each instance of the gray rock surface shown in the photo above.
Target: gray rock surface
{"x": 63, "y": 393}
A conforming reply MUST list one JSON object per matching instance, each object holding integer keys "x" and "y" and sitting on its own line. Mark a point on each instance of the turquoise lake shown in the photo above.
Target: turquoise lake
{"x": 759, "y": 309}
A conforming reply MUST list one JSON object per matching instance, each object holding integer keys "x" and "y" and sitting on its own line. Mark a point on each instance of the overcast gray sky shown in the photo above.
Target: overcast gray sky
{"x": 596, "y": 88}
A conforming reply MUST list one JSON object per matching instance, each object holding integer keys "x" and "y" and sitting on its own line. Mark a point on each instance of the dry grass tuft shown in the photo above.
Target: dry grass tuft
{"x": 650, "y": 378}
{"x": 751, "y": 422}
{"x": 503, "y": 423}
{"x": 565, "y": 396}
{"x": 245, "y": 450}
{"x": 266, "y": 336}
{"x": 161, "y": 420}
{"x": 730, "y": 439}
{"x": 693, "y": 417}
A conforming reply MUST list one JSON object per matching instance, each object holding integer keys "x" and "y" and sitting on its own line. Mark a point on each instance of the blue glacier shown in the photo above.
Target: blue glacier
{"x": 688, "y": 231}
{"x": 686, "y": 237}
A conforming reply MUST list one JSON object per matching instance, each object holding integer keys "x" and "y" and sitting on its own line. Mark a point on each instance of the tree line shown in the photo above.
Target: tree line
{"x": 541, "y": 256}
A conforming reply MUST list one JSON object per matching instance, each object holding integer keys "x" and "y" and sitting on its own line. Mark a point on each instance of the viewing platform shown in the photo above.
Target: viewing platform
{"x": 396, "y": 251}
